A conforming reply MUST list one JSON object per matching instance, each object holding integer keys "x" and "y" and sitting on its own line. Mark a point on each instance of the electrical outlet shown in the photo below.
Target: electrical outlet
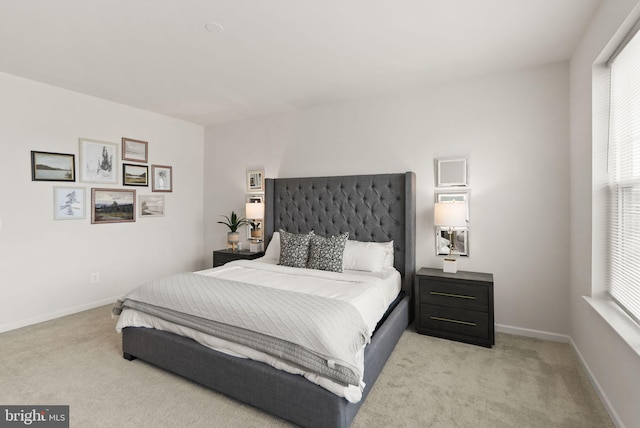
{"x": 95, "y": 277}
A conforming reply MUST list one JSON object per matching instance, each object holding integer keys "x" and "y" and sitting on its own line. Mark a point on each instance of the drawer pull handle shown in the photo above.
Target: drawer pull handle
{"x": 459, "y": 296}
{"x": 454, "y": 321}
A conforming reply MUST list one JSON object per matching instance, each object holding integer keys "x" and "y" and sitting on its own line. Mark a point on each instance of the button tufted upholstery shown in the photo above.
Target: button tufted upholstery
{"x": 375, "y": 208}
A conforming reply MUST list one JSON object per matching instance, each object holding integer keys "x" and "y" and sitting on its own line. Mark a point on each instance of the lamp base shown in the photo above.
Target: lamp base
{"x": 255, "y": 247}
{"x": 450, "y": 265}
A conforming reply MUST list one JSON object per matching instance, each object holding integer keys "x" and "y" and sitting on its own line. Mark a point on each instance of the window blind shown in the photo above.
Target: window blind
{"x": 623, "y": 212}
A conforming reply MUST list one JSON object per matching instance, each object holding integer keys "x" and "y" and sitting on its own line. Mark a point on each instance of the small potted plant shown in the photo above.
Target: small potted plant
{"x": 233, "y": 222}
{"x": 255, "y": 229}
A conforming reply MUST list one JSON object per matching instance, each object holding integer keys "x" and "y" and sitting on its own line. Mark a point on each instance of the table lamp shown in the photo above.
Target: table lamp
{"x": 255, "y": 214}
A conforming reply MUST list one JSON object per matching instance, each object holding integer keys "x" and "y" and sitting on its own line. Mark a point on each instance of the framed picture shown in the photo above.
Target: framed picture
{"x": 98, "y": 162}
{"x": 254, "y": 198}
{"x": 451, "y": 172}
{"x": 47, "y": 166}
{"x": 134, "y": 150}
{"x": 69, "y": 203}
{"x": 135, "y": 175}
{"x": 255, "y": 180}
{"x": 151, "y": 206}
{"x": 113, "y": 205}
{"x": 459, "y": 238}
{"x": 454, "y": 196}
{"x": 162, "y": 178}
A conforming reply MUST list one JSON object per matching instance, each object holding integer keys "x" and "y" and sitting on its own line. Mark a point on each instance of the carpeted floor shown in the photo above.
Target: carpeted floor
{"x": 428, "y": 382}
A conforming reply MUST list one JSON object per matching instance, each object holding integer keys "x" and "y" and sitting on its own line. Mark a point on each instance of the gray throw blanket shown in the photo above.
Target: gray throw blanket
{"x": 318, "y": 334}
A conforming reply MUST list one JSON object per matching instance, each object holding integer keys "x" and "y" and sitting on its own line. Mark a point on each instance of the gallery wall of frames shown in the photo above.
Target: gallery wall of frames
{"x": 124, "y": 186}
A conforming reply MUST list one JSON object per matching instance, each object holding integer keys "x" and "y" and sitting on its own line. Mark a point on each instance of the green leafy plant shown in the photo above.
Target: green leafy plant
{"x": 233, "y": 222}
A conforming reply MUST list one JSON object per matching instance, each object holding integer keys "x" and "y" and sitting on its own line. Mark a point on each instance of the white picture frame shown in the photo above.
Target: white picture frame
{"x": 452, "y": 172}
{"x": 455, "y": 196}
{"x": 98, "y": 162}
{"x": 69, "y": 203}
{"x": 461, "y": 241}
{"x": 255, "y": 180}
{"x": 151, "y": 206}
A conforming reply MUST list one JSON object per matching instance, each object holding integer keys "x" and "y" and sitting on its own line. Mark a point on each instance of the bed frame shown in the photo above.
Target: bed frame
{"x": 371, "y": 208}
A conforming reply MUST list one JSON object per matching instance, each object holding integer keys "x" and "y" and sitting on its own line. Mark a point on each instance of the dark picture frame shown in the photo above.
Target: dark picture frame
{"x": 135, "y": 175}
{"x": 113, "y": 205}
{"x": 161, "y": 178}
{"x": 135, "y": 150}
{"x": 47, "y": 166}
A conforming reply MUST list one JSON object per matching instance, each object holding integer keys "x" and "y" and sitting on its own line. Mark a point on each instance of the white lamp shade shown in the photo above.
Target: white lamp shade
{"x": 255, "y": 210}
{"x": 450, "y": 214}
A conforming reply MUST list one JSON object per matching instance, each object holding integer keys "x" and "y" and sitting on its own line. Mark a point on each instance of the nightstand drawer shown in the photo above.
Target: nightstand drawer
{"x": 452, "y": 320}
{"x": 456, "y": 295}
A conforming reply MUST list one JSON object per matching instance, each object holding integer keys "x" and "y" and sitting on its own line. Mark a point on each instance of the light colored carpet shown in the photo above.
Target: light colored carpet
{"x": 427, "y": 382}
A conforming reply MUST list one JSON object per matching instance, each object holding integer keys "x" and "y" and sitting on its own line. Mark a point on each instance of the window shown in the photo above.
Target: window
{"x": 623, "y": 213}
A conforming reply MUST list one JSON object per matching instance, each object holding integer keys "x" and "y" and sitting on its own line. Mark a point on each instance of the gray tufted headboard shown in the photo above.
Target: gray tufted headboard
{"x": 377, "y": 208}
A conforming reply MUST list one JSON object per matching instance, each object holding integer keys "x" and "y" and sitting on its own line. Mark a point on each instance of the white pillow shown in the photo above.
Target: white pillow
{"x": 273, "y": 249}
{"x": 389, "y": 254}
{"x": 368, "y": 256}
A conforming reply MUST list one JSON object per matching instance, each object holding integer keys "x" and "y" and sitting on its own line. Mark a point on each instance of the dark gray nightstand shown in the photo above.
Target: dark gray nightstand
{"x": 456, "y": 306}
{"x": 221, "y": 257}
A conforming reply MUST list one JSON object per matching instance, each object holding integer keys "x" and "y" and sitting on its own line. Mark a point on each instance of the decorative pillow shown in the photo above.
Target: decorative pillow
{"x": 368, "y": 256}
{"x": 294, "y": 249}
{"x": 327, "y": 253}
{"x": 273, "y": 249}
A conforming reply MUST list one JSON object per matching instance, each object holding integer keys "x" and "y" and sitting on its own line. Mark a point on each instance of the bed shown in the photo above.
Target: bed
{"x": 371, "y": 208}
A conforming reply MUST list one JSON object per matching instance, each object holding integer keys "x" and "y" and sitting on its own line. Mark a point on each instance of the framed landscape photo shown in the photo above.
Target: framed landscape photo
{"x": 135, "y": 175}
{"x": 47, "y": 166}
{"x": 255, "y": 181}
{"x": 151, "y": 206}
{"x": 98, "y": 162}
{"x": 113, "y": 206}
{"x": 134, "y": 150}
{"x": 162, "y": 178}
{"x": 69, "y": 203}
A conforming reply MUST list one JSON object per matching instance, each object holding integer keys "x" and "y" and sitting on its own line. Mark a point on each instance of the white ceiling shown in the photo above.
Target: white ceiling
{"x": 275, "y": 55}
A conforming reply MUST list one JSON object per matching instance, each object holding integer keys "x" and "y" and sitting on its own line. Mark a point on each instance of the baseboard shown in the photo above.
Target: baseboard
{"x": 603, "y": 397}
{"x": 545, "y": 335}
{"x": 54, "y": 315}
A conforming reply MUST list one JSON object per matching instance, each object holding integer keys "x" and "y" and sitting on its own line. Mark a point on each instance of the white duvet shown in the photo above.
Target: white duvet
{"x": 370, "y": 293}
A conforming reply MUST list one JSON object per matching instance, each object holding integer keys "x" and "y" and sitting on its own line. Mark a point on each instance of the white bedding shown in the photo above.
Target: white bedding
{"x": 370, "y": 293}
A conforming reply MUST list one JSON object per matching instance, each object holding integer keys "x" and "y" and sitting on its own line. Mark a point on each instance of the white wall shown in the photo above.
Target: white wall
{"x": 514, "y": 129}
{"x": 45, "y": 265}
{"x": 614, "y": 366}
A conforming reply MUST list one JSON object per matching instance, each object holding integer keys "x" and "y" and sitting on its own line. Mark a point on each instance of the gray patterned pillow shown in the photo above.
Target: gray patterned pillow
{"x": 327, "y": 253}
{"x": 294, "y": 249}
